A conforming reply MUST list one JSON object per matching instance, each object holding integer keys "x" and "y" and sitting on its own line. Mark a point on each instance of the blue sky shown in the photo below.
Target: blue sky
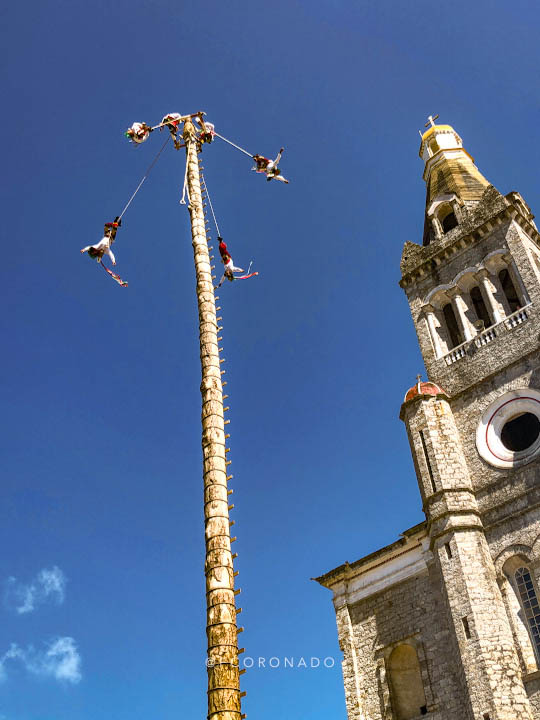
{"x": 101, "y": 496}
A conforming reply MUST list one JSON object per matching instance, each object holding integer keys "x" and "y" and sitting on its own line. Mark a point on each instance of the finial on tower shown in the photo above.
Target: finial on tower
{"x": 418, "y": 381}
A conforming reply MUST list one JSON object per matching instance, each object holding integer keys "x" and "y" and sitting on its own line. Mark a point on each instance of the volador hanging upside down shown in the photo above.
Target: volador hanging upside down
{"x": 138, "y": 133}
{"x": 97, "y": 251}
{"x": 230, "y": 268}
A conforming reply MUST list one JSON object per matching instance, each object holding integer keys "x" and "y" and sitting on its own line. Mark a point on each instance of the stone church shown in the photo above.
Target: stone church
{"x": 445, "y": 622}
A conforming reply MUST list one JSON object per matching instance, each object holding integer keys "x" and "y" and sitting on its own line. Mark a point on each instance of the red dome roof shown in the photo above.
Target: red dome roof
{"x": 423, "y": 388}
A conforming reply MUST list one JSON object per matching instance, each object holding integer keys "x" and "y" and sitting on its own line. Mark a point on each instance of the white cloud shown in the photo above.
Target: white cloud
{"x": 49, "y": 585}
{"x": 63, "y": 660}
{"x": 59, "y": 660}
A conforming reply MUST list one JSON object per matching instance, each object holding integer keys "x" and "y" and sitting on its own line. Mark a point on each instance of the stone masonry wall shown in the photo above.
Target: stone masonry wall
{"x": 481, "y": 625}
{"x": 468, "y": 409}
{"x": 411, "y": 611}
{"x": 508, "y": 499}
{"x": 519, "y": 535}
{"x": 486, "y": 652}
{"x": 354, "y": 694}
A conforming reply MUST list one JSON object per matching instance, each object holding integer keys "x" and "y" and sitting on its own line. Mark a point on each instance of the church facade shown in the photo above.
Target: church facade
{"x": 445, "y": 622}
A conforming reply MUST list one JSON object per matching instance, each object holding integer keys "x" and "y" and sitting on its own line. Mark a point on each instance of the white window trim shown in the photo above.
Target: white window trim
{"x": 495, "y": 416}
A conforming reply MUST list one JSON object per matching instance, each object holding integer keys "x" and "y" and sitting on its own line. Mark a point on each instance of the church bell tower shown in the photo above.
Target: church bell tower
{"x": 445, "y": 621}
{"x": 473, "y": 287}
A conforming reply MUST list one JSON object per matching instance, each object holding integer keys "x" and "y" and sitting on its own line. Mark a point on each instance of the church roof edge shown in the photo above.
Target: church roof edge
{"x": 347, "y": 569}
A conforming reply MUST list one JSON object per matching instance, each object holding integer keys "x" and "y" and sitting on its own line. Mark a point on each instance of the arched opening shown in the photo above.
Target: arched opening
{"x": 433, "y": 145}
{"x": 529, "y": 603}
{"x": 480, "y": 306}
{"x": 452, "y": 326}
{"x": 509, "y": 290}
{"x": 449, "y": 222}
{"x": 406, "y": 687}
{"x": 520, "y": 597}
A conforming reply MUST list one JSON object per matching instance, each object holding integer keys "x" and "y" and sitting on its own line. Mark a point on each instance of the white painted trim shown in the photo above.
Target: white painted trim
{"x": 406, "y": 562}
{"x": 445, "y": 199}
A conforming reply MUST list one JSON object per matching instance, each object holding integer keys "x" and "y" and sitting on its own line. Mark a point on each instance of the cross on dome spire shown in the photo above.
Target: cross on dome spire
{"x": 431, "y": 121}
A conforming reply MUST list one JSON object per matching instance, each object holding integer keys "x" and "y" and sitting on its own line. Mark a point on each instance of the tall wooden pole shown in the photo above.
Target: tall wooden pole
{"x": 223, "y": 672}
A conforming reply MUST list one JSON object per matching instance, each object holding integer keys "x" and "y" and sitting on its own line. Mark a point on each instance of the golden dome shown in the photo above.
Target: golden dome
{"x": 440, "y": 128}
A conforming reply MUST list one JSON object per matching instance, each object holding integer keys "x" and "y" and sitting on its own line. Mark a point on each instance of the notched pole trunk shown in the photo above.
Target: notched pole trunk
{"x": 221, "y": 630}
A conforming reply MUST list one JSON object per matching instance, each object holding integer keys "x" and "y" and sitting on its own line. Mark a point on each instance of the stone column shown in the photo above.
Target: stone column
{"x": 516, "y": 279}
{"x": 458, "y": 212}
{"x": 488, "y": 294}
{"x": 352, "y": 672}
{"x": 429, "y": 313}
{"x": 222, "y": 661}
{"x": 437, "y": 227}
{"x": 459, "y": 307}
{"x": 498, "y": 289}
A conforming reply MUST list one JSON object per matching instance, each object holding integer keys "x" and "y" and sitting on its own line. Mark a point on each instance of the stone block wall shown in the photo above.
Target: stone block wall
{"x": 409, "y": 612}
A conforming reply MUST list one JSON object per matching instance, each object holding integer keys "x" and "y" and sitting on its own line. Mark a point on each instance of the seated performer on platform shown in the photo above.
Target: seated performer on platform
{"x": 172, "y": 121}
{"x": 207, "y": 133}
{"x": 269, "y": 167}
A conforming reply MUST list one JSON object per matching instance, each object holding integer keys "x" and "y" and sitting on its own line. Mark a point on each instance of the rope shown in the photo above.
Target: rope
{"x": 211, "y": 206}
{"x": 185, "y": 189}
{"x": 144, "y": 178}
{"x": 236, "y": 146}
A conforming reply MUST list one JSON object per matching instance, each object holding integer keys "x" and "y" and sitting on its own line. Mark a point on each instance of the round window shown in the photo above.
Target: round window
{"x": 509, "y": 431}
{"x": 521, "y": 432}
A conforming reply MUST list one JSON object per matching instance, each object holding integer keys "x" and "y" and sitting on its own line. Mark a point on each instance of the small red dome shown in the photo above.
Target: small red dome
{"x": 423, "y": 388}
